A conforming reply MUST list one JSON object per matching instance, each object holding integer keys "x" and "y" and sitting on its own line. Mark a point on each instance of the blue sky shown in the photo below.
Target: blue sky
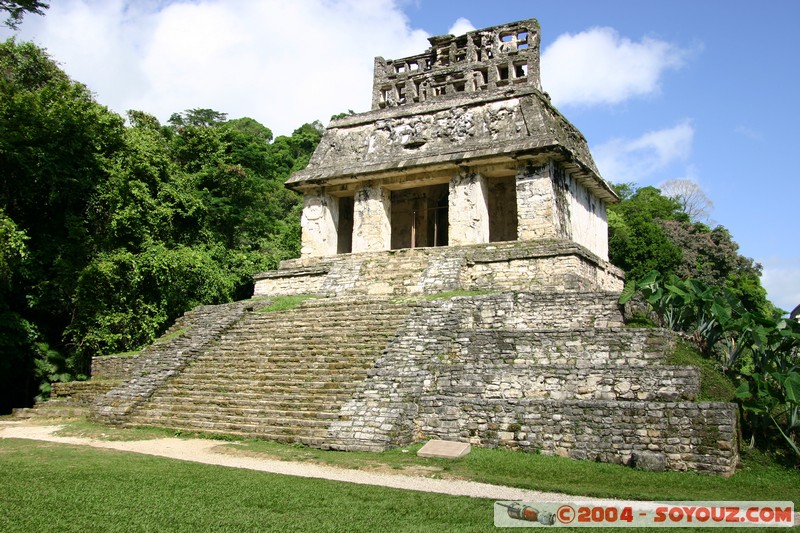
{"x": 698, "y": 89}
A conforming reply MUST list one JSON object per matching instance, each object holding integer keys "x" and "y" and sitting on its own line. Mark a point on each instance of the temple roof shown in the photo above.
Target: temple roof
{"x": 501, "y": 123}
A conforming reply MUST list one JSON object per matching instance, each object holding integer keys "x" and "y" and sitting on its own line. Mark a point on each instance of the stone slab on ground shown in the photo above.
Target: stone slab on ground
{"x": 444, "y": 449}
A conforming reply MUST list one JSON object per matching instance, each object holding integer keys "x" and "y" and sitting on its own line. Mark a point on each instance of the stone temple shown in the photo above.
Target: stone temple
{"x": 454, "y": 240}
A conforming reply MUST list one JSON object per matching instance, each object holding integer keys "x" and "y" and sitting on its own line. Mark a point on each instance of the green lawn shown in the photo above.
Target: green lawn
{"x": 51, "y": 487}
{"x": 554, "y": 474}
{"x": 758, "y": 479}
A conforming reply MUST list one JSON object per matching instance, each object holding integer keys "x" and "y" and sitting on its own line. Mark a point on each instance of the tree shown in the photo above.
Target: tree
{"x": 690, "y": 196}
{"x": 109, "y": 232}
{"x": 197, "y": 117}
{"x": 16, "y": 9}
{"x": 650, "y": 231}
{"x": 637, "y": 243}
{"x": 56, "y": 144}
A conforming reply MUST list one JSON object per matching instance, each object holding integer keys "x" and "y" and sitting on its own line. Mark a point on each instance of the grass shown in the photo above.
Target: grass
{"x": 715, "y": 386}
{"x": 285, "y": 303}
{"x": 50, "y": 487}
{"x": 172, "y": 336}
{"x": 758, "y": 479}
{"x": 56, "y": 487}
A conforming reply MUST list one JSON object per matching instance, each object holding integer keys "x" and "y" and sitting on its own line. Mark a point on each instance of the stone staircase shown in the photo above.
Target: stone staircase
{"x": 278, "y": 375}
{"x": 68, "y": 400}
{"x": 553, "y": 372}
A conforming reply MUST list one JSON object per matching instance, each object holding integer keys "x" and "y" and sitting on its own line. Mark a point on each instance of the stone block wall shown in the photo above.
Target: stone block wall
{"x": 578, "y": 347}
{"x": 690, "y": 436}
{"x": 543, "y": 372}
{"x": 114, "y": 366}
{"x": 551, "y": 265}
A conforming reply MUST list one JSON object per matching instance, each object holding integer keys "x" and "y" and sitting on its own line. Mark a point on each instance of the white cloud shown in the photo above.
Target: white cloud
{"x": 749, "y": 133}
{"x": 598, "y": 66}
{"x": 282, "y": 63}
{"x": 781, "y": 278}
{"x": 461, "y": 26}
{"x": 632, "y": 160}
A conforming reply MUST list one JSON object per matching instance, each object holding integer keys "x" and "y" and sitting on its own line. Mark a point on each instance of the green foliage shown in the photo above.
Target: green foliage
{"x": 715, "y": 385}
{"x": 108, "y": 233}
{"x": 761, "y": 353}
{"x": 648, "y": 231}
{"x": 16, "y": 10}
{"x": 12, "y": 249}
{"x": 197, "y": 117}
{"x": 637, "y": 243}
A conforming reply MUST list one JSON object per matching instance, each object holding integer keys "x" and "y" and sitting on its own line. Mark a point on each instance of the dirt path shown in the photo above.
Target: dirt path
{"x": 211, "y": 452}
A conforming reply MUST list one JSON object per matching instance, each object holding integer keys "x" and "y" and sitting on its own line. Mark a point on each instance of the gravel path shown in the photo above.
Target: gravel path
{"x": 210, "y": 452}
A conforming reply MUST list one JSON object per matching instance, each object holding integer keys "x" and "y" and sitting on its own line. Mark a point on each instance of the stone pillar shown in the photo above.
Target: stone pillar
{"x": 372, "y": 227}
{"x": 319, "y": 221}
{"x": 468, "y": 213}
{"x": 541, "y": 209}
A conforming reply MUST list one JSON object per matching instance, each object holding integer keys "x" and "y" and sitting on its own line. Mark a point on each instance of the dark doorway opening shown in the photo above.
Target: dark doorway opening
{"x": 420, "y": 217}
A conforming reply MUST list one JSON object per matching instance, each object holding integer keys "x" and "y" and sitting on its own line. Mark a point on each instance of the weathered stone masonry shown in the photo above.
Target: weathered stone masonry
{"x": 468, "y": 114}
{"x": 463, "y": 176}
{"x": 578, "y": 385}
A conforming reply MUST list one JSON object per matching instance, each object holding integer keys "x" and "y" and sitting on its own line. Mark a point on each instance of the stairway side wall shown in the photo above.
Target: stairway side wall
{"x": 163, "y": 360}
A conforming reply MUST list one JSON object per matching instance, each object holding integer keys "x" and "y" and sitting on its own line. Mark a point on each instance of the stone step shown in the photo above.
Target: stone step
{"x": 285, "y": 386}
{"x": 82, "y": 392}
{"x": 325, "y": 346}
{"x": 232, "y": 415}
{"x": 270, "y": 380}
{"x": 300, "y": 397}
{"x": 55, "y": 409}
{"x": 284, "y": 360}
{"x": 302, "y": 406}
{"x": 296, "y": 431}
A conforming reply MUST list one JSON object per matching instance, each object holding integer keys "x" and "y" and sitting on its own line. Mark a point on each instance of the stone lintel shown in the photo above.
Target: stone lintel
{"x": 411, "y": 173}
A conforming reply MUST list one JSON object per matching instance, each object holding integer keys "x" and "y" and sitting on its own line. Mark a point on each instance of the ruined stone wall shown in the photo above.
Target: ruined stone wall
{"x": 537, "y": 211}
{"x": 114, "y": 366}
{"x": 518, "y": 122}
{"x": 481, "y": 60}
{"x": 540, "y": 372}
{"x": 553, "y": 265}
{"x": 587, "y": 218}
{"x": 689, "y": 436}
{"x": 292, "y": 281}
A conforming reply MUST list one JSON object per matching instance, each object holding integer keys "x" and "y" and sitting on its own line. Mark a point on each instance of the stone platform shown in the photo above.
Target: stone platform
{"x": 558, "y": 265}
